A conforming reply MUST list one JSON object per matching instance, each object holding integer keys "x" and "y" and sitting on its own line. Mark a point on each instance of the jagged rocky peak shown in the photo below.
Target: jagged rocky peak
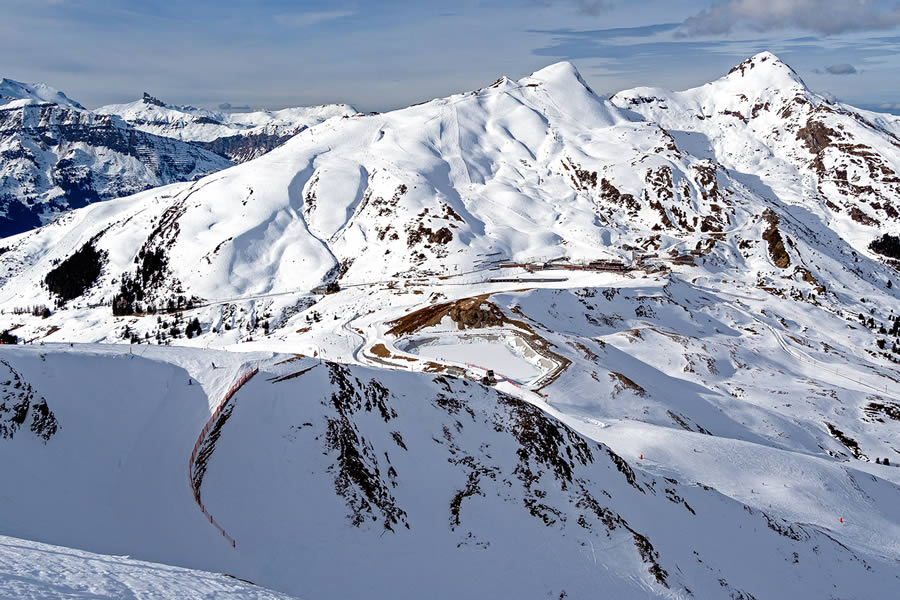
{"x": 148, "y": 99}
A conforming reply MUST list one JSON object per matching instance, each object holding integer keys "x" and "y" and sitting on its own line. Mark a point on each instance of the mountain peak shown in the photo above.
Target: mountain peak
{"x": 562, "y": 72}
{"x": 38, "y": 92}
{"x": 765, "y": 68}
{"x": 148, "y": 99}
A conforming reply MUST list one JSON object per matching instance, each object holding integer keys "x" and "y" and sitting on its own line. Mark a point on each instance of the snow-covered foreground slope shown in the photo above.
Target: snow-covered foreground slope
{"x": 45, "y": 572}
{"x": 239, "y": 136}
{"x": 418, "y": 485}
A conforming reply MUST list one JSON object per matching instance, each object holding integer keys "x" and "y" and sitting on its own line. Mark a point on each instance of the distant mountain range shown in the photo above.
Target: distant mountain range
{"x": 55, "y": 155}
{"x": 239, "y": 136}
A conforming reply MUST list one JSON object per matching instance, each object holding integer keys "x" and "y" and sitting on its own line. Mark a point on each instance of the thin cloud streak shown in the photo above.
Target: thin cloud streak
{"x": 820, "y": 16}
{"x": 308, "y": 19}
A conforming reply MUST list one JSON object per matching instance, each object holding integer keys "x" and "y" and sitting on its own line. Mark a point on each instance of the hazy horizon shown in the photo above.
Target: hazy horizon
{"x": 275, "y": 53}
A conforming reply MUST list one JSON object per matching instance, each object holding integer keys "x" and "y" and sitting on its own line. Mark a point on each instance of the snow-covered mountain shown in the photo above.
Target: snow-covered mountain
{"x": 40, "y": 93}
{"x": 239, "y": 136}
{"x": 704, "y": 412}
{"x": 538, "y": 167}
{"x": 56, "y": 156}
{"x": 762, "y": 121}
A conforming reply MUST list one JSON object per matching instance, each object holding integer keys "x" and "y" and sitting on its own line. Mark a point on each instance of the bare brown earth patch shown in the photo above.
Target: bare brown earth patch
{"x": 475, "y": 313}
{"x": 468, "y": 313}
{"x": 381, "y": 351}
{"x": 623, "y": 382}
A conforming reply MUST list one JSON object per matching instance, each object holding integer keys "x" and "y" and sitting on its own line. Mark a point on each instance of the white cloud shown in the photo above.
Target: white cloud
{"x": 819, "y": 16}
{"x": 305, "y": 19}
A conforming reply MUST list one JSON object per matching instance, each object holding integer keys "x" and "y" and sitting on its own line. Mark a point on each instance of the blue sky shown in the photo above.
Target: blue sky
{"x": 379, "y": 55}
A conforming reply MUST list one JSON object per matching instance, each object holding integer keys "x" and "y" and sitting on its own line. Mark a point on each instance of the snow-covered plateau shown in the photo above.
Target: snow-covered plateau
{"x": 521, "y": 342}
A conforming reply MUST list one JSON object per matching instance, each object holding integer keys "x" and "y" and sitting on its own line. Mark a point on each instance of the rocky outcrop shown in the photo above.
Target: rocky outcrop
{"x": 773, "y": 238}
{"x": 241, "y": 148}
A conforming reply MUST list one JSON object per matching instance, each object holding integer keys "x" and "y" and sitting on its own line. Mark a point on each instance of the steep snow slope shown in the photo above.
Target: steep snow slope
{"x": 45, "y": 572}
{"x": 760, "y": 120}
{"x": 57, "y": 156}
{"x": 416, "y": 484}
{"x": 238, "y": 136}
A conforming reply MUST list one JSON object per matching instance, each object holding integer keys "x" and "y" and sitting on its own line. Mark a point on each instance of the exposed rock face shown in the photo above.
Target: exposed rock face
{"x": 476, "y": 315}
{"x": 816, "y": 136}
{"x": 241, "y": 148}
{"x": 19, "y": 404}
{"x": 468, "y": 313}
{"x": 776, "y": 245}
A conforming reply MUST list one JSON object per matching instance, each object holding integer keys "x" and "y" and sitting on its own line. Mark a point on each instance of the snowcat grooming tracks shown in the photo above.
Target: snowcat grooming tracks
{"x": 196, "y": 479}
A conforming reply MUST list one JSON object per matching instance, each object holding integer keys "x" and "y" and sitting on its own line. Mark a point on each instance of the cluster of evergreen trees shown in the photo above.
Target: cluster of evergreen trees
{"x": 72, "y": 277}
{"x": 193, "y": 328}
{"x": 887, "y": 245}
{"x": 149, "y": 272}
{"x": 892, "y": 331}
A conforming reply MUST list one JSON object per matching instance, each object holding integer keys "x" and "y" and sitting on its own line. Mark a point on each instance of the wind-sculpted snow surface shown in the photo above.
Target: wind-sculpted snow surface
{"x": 416, "y": 484}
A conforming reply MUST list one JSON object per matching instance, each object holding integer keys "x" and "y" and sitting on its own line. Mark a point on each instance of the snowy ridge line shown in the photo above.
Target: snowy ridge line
{"x": 202, "y": 437}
